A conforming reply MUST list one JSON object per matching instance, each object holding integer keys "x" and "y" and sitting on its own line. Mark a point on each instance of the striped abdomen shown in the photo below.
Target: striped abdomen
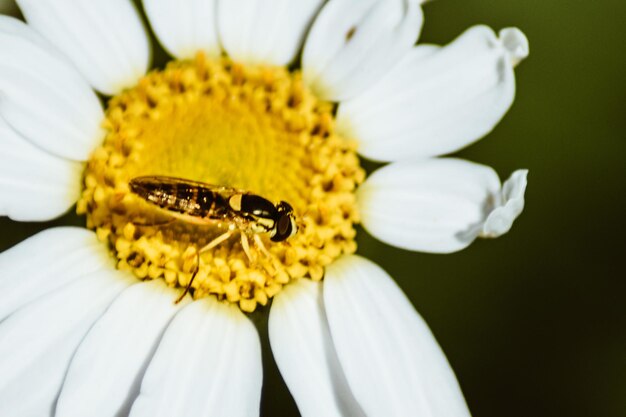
{"x": 181, "y": 197}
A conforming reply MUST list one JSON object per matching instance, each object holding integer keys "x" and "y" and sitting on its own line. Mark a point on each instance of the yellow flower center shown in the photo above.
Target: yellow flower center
{"x": 250, "y": 127}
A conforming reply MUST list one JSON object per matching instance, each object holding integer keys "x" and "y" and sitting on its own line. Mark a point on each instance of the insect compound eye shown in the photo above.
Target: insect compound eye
{"x": 284, "y": 225}
{"x": 283, "y": 228}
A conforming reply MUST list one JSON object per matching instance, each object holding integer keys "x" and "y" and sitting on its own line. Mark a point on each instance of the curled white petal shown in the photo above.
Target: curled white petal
{"x": 46, "y": 262}
{"x": 34, "y": 185}
{"x": 105, "y": 372}
{"x": 393, "y": 364}
{"x": 105, "y": 39}
{"x": 515, "y": 43}
{"x": 38, "y": 341}
{"x": 185, "y": 27}
{"x": 207, "y": 364}
{"x": 435, "y": 205}
{"x": 265, "y": 31}
{"x": 510, "y": 206}
{"x": 43, "y": 97}
{"x": 437, "y": 100}
{"x": 301, "y": 345}
{"x": 353, "y": 43}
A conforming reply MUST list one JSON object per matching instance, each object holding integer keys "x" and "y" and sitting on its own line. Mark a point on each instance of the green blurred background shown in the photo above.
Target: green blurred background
{"x": 533, "y": 323}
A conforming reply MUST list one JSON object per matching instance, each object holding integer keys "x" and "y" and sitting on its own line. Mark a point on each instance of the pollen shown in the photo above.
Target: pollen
{"x": 255, "y": 128}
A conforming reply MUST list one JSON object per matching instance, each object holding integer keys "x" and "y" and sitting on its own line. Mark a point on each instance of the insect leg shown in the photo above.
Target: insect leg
{"x": 215, "y": 242}
{"x": 261, "y": 247}
{"x": 193, "y": 276}
{"x": 246, "y": 247}
{"x": 161, "y": 223}
{"x": 270, "y": 264}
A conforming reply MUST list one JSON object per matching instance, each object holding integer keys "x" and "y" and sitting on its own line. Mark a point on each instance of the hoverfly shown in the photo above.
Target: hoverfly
{"x": 202, "y": 203}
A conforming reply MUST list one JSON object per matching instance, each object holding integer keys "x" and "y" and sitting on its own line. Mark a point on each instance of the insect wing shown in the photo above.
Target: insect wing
{"x": 160, "y": 180}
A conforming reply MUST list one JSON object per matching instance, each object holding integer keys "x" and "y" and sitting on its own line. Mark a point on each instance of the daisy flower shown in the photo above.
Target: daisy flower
{"x": 277, "y": 97}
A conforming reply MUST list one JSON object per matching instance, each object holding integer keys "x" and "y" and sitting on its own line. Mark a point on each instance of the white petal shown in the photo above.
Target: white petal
{"x": 353, "y": 43}
{"x": 436, "y": 101}
{"x": 185, "y": 27}
{"x": 510, "y": 206}
{"x": 390, "y": 358}
{"x": 34, "y": 185}
{"x": 265, "y": 31}
{"x": 208, "y": 364}
{"x": 47, "y": 261}
{"x": 104, "y": 376}
{"x": 434, "y": 205}
{"x": 43, "y": 97}
{"x": 304, "y": 352}
{"x": 105, "y": 39}
{"x": 37, "y": 342}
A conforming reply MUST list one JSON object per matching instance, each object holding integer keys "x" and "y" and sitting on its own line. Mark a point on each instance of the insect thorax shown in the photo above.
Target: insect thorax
{"x": 258, "y": 215}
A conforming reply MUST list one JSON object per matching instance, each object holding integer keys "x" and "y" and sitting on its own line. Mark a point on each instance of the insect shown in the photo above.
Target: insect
{"x": 202, "y": 203}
